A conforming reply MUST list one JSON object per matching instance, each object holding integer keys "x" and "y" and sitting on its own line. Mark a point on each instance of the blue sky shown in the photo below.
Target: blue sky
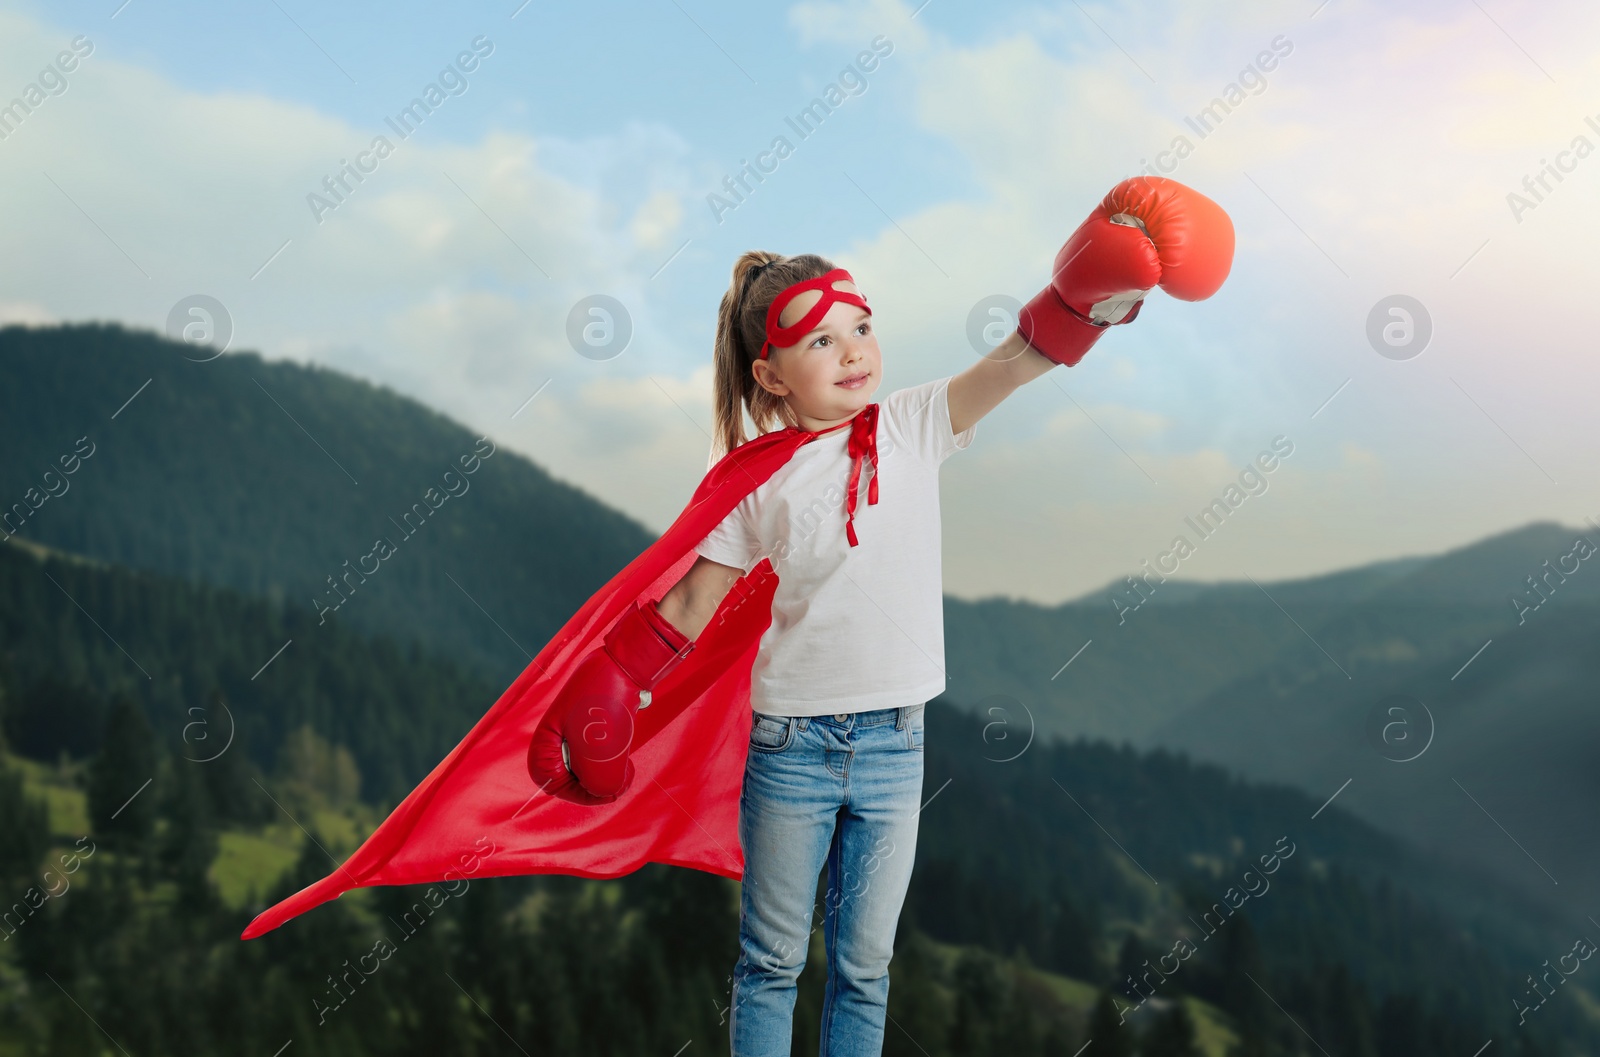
{"x": 1372, "y": 157}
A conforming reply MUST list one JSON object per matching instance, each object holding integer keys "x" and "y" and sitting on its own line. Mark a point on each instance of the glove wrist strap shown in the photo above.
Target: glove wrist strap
{"x": 646, "y": 646}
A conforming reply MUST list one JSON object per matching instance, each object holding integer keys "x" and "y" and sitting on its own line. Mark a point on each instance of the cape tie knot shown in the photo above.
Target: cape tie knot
{"x": 863, "y": 445}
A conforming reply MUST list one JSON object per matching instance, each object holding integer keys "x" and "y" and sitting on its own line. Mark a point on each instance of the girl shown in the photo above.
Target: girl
{"x": 856, "y": 644}
{"x": 855, "y": 647}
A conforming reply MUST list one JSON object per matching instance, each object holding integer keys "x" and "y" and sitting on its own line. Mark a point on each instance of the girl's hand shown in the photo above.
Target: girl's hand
{"x": 579, "y": 752}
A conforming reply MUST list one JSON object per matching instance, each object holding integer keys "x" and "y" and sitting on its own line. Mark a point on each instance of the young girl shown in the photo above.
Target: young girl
{"x": 855, "y": 647}
{"x": 856, "y": 644}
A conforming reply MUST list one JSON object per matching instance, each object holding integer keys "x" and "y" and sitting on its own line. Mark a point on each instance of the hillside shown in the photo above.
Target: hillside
{"x": 1078, "y": 860}
{"x": 1145, "y": 667}
{"x": 1504, "y": 746}
{"x": 277, "y": 479}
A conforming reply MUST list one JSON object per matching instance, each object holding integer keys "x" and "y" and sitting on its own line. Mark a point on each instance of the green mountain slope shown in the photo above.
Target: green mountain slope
{"x": 1079, "y": 860}
{"x": 1140, "y": 669}
{"x": 274, "y": 479}
{"x": 1504, "y": 740}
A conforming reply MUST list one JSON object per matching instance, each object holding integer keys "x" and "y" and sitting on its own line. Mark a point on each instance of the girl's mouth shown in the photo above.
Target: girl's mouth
{"x": 854, "y": 382}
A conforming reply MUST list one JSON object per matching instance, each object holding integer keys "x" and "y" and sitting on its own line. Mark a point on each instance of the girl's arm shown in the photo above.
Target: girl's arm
{"x": 691, "y": 602}
{"x": 979, "y": 389}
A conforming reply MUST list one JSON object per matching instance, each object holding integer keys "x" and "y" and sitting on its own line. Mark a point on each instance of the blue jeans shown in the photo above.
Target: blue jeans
{"x": 844, "y": 790}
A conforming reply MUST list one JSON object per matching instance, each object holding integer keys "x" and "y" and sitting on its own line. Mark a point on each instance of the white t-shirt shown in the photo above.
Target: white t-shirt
{"x": 853, "y": 628}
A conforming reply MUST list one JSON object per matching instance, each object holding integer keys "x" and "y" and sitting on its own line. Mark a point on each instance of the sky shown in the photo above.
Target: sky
{"x": 1368, "y": 152}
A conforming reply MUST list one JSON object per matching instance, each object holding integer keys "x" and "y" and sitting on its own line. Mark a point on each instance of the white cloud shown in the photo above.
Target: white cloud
{"x": 26, "y": 314}
{"x": 447, "y": 273}
{"x": 1396, "y": 166}
{"x": 1386, "y": 141}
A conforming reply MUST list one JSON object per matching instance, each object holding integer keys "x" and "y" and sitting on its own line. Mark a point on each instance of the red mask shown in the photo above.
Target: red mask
{"x": 783, "y": 337}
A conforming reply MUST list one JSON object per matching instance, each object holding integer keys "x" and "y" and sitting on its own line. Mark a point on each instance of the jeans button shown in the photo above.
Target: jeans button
{"x": 841, "y": 716}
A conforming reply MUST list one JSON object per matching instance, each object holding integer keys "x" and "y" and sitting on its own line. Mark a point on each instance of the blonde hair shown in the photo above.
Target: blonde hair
{"x": 758, "y": 278}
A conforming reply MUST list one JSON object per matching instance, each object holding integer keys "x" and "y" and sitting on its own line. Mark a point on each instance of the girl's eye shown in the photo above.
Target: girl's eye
{"x": 863, "y": 325}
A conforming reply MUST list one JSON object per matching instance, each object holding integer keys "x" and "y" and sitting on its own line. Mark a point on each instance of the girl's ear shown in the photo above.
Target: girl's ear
{"x": 766, "y": 377}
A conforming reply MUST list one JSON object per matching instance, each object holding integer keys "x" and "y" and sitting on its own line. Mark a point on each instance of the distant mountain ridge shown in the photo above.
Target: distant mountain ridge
{"x": 1140, "y": 671}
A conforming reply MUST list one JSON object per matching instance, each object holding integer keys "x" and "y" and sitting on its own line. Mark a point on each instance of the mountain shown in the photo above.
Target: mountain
{"x": 1133, "y": 666}
{"x": 1492, "y": 760}
{"x": 276, "y": 479}
{"x": 1080, "y": 859}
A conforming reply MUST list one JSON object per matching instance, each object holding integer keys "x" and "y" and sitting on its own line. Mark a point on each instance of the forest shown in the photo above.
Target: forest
{"x": 146, "y": 821}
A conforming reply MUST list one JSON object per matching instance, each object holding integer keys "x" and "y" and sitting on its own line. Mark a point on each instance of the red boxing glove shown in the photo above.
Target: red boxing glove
{"x": 1149, "y": 231}
{"x": 580, "y": 750}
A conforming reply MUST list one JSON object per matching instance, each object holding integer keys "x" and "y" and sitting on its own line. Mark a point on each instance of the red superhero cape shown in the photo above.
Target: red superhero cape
{"x": 480, "y": 814}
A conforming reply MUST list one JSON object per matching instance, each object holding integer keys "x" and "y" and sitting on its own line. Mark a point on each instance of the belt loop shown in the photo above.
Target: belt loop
{"x": 900, "y": 718}
{"x": 802, "y": 721}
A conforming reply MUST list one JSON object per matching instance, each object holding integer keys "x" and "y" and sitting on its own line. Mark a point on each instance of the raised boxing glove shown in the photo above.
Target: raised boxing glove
{"x": 1148, "y": 231}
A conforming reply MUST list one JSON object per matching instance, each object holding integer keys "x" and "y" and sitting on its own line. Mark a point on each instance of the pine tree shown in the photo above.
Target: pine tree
{"x": 1172, "y": 1035}
{"x": 122, "y": 809}
{"x": 1111, "y": 1036}
{"x": 24, "y": 831}
{"x": 1401, "y": 1027}
{"x": 189, "y": 843}
{"x": 1242, "y": 972}
{"x": 980, "y": 1001}
{"x": 1131, "y": 956}
{"x": 1346, "y": 1025}
{"x": 919, "y": 1016}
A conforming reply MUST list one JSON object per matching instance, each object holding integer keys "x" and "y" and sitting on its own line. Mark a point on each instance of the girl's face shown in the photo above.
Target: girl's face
{"x": 812, "y": 374}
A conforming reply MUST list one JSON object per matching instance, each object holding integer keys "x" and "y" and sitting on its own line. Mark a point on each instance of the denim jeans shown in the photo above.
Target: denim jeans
{"x": 842, "y": 791}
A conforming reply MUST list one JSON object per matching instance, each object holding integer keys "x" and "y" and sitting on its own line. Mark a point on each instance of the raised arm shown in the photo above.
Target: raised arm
{"x": 1148, "y": 231}
{"x": 691, "y": 602}
{"x": 979, "y": 389}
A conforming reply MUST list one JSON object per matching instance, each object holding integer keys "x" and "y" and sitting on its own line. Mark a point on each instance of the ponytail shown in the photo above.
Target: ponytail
{"x": 758, "y": 278}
